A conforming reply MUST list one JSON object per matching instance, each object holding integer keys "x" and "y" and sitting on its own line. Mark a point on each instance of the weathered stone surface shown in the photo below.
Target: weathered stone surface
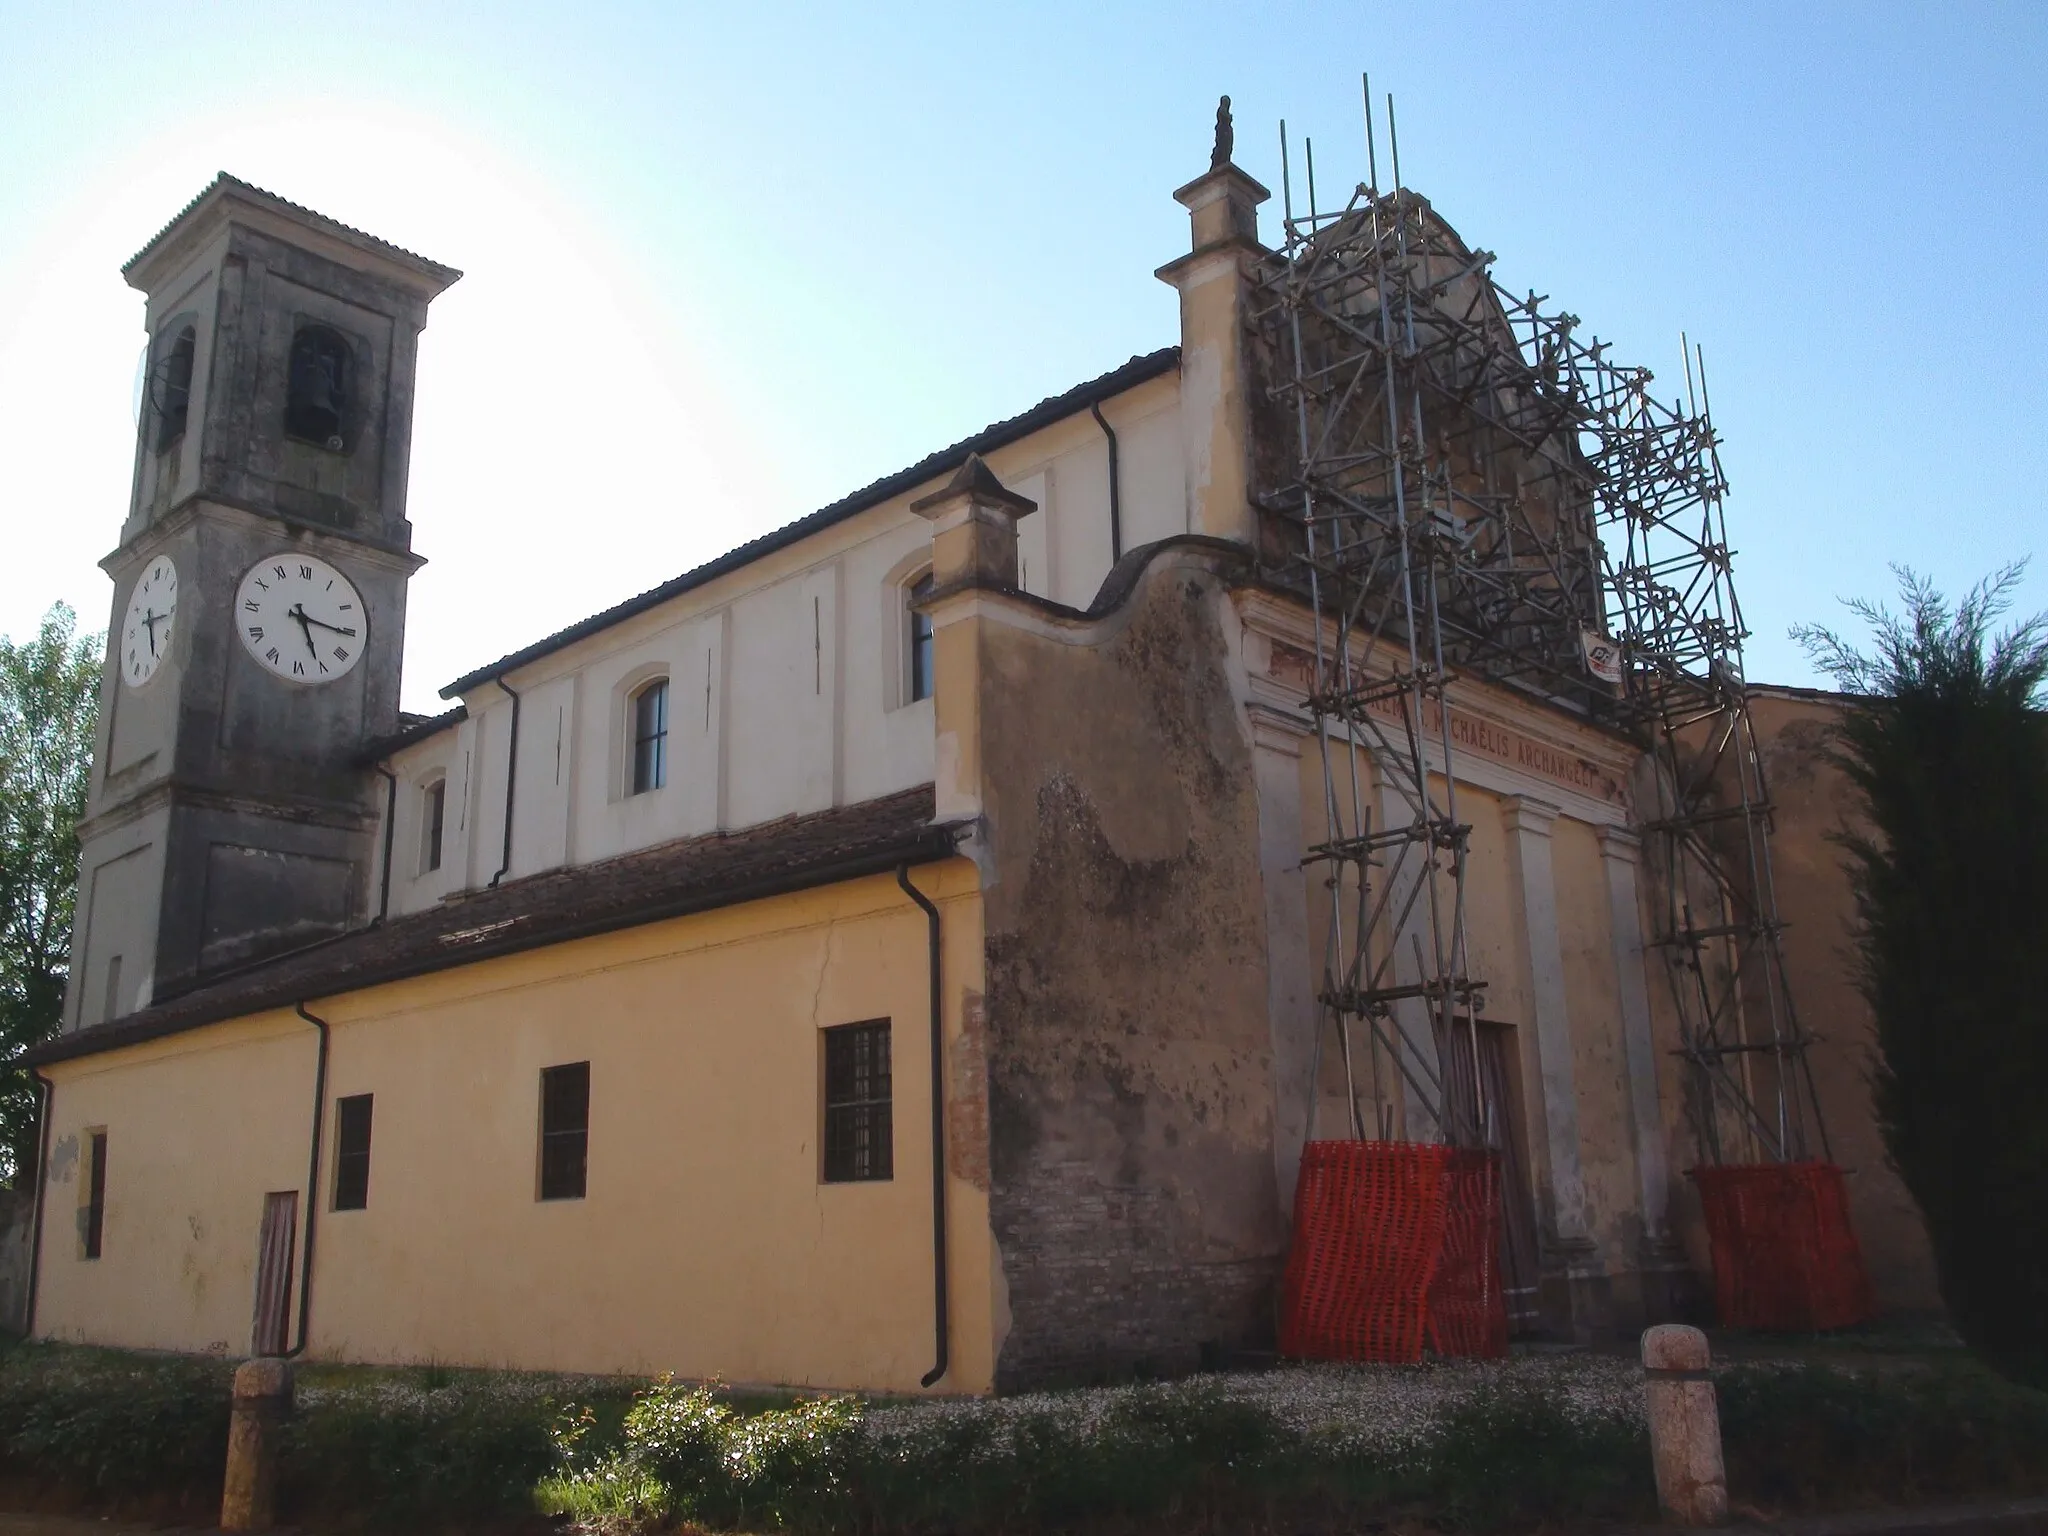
{"x": 262, "y": 1399}
{"x": 1129, "y": 1052}
{"x": 1685, "y": 1426}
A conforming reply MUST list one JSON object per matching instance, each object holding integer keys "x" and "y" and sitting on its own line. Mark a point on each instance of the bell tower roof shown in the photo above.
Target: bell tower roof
{"x": 227, "y": 199}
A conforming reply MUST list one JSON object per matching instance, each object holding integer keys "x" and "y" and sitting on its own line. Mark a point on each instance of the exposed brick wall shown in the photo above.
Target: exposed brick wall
{"x": 1132, "y": 1185}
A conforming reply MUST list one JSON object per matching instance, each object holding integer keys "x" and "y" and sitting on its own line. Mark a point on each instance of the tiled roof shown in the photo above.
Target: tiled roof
{"x": 674, "y": 879}
{"x": 1137, "y": 371}
{"x": 223, "y": 181}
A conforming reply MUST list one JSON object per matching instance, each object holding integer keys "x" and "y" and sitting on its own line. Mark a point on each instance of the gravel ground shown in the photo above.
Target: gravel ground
{"x": 1360, "y": 1407}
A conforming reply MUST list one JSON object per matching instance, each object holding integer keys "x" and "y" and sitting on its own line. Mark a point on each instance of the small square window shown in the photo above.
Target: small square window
{"x": 564, "y": 1130}
{"x": 352, "y": 1152}
{"x": 859, "y": 1135}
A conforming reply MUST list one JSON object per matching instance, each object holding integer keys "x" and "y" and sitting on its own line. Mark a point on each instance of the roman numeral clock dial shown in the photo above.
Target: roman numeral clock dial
{"x": 146, "y": 631}
{"x": 300, "y": 618}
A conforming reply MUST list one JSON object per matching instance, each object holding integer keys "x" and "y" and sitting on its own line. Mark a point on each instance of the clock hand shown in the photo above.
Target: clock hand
{"x": 307, "y": 618}
{"x": 298, "y": 611}
{"x": 150, "y": 620}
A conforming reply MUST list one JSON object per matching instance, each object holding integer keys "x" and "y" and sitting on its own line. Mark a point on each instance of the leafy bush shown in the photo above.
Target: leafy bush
{"x": 1515, "y": 1456}
{"x": 1816, "y": 1438}
{"x": 114, "y": 1425}
{"x": 459, "y": 1449}
{"x": 1205, "y": 1451}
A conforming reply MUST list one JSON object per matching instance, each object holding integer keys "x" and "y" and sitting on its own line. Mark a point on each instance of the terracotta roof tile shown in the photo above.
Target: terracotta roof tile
{"x": 673, "y": 879}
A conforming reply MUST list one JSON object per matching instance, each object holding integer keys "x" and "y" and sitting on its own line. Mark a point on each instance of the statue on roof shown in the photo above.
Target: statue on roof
{"x": 1225, "y": 136}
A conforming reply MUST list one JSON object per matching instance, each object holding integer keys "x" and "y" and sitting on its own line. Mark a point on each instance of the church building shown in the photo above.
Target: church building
{"x": 886, "y": 957}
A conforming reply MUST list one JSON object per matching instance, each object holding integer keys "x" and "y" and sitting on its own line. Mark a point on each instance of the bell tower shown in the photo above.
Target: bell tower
{"x": 259, "y": 599}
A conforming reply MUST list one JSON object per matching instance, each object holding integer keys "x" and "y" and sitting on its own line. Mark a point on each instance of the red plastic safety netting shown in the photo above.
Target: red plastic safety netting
{"x": 1392, "y": 1241}
{"x": 1785, "y": 1256}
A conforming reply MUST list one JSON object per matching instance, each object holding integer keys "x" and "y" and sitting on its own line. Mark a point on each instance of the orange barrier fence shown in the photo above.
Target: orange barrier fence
{"x": 1392, "y": 1241}
{"x": 1468, "y": 1312}
{"x": 1785, "y": 1256}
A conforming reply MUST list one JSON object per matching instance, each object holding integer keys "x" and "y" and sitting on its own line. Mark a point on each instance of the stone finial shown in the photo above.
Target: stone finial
{"x": 974, "y": 529}
{"x": 1685, "y": 1426}
{"x": 1226, "y": 137}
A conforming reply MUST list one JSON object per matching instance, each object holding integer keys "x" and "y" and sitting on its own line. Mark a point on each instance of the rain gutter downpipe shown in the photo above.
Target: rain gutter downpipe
{"x": 35, "y": 1242}
{"x": 1116, "y": 504}
{"x": 312, "y": 1186}
{"x": 940, "y": 1305}
{"x": 511, "y": 779}
{"x": 390, "y": 826}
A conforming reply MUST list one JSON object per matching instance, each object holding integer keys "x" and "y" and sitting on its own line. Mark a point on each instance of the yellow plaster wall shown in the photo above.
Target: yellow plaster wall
{"x": 1812, "y": 801}
{"x": 1607, "y": 1151}
{"x": 707, "y": 1244}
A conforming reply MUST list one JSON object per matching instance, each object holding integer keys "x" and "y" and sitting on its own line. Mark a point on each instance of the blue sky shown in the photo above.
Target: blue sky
{"x": 727, "y": 263}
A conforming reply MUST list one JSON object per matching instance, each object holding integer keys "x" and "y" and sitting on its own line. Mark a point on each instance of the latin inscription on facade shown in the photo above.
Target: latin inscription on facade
{"x": 1471, "y": 733}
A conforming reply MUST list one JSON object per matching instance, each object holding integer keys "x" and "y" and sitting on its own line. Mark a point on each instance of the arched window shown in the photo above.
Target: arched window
{"x": 650, "y": 736}
{"x": 920, "y": 632}
{"x": 171, "y": 388}
{"x": 316, "y": 390}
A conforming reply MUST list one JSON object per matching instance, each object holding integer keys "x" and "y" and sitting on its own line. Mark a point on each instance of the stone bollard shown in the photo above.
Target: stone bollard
{"x": 263, "y": 1396}
{"x": 1685, "y": 1426}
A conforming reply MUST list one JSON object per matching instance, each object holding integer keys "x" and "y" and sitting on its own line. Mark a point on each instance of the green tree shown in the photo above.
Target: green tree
{"x": 49, "y": 689}
{"x": 1947, "y": 748}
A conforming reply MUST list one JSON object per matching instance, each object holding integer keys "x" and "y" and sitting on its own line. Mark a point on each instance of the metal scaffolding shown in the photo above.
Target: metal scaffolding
{"x": 1463, "y": 484}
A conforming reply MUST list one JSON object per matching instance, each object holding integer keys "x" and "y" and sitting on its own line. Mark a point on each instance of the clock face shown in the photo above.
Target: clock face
{"x": 146, "y": 631}
{"x": 300, "y": 618}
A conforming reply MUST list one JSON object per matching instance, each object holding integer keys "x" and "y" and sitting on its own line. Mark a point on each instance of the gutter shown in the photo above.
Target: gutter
{"x": 312, "y": 1185}
{"x": 1116, "y": 505}
{"x": 511, "y": 780}
{"x": 35, "y": 1242}
{"x": 390, "y": 826}
{"x": 940, "y": 1306}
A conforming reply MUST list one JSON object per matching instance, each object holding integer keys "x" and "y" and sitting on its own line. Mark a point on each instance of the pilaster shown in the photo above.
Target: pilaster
{"x": 1215, "y": 395}
{"x": 1583, "y": 1299}
{"x": 1290, "y": 1002}
{"x": 974, "y": 549}
{"x": 1662, "y": 1260}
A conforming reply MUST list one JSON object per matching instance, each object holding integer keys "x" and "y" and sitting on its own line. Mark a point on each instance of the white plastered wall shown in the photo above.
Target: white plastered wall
{"x": 788, "y": 686}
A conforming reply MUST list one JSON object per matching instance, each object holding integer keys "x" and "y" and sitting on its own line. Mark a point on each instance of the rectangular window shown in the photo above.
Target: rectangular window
{"x": 95, "y": 1214}
{"x": 564, "y": 1130}
{"x": 920, "y": 643}
{"x": 859, "y": 1138}
{"x": 650, "y": 737}
{"x": 352, "y": 1152}
{"x": 435, "y": 818}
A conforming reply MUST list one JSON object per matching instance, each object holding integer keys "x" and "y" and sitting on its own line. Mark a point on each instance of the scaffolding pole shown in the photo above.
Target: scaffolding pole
{"x": 1462, "y": 485}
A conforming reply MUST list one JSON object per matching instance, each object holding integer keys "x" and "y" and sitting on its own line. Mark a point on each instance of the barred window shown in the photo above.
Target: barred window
{"x": 564, "y": 1130}
{"x": 352, "y": 1152}
{"x": 859, "y": 1143}
{"x": 650, "y": 737}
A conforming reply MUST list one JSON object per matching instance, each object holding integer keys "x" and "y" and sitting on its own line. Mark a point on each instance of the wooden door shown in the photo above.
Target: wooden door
{"x": 274, "y": 1272}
